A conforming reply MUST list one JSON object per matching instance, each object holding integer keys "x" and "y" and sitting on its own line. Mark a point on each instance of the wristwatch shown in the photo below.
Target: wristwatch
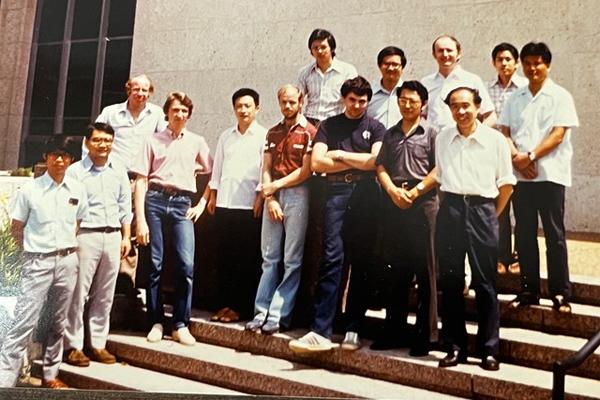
{"x": 531, "y": 155}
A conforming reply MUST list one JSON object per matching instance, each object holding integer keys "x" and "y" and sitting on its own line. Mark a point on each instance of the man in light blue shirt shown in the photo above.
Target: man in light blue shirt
{"x": 45, "y": 218}
{"x": 104, "y": 238}
{"x": 384, "y": 103}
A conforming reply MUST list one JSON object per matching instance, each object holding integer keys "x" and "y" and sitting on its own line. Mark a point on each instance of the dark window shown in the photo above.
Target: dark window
{"x": 82, "y": 55}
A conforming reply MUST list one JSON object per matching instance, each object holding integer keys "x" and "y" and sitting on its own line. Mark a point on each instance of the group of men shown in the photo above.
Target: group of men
{"x": 423, "y": 154}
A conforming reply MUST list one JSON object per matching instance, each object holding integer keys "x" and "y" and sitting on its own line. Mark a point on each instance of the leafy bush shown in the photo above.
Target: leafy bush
{"x": 11, "y": 255}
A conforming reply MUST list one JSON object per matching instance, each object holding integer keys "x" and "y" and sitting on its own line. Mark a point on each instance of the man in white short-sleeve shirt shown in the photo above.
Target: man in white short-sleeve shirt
{"x": 538, "y": 119}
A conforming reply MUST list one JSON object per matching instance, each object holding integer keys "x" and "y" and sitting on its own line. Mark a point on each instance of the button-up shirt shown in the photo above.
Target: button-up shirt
{"x": 129, "y": 133}
{"x": 322, "y": 95}
{"x": 532, "y": 118}
{"x": 438, "y": 87}
{"x": 384, "y": 105}
{"x": 499, "y": 94}
{"x": 50, "y": 213}
{"x": 237, "y": 167}
{"x": 174, "y": 162}
{"x": 408, "y": 158}
{"x": 475, "y": 165}
{"x": 108, "y": 191}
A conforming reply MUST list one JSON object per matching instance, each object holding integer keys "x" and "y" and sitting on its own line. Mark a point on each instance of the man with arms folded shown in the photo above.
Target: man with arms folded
{"x": 384, "y": 103}
{"x": 505, "y": 59}
{"x": 45, "y": 219}
{"x": 321, "y": 80}
{"x": 405, "y": 168}
{"x": 475, "y": 175}
{"x": 538, "y": 119}
{"x": 346, "y": 147}
{"x": 166, "y": 169}
{"x": 104, "y": 238}
{"x": 286, "y": 167}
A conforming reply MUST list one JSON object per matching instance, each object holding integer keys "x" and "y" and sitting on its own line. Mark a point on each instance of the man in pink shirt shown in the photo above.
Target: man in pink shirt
{"x": 165, "y": 183}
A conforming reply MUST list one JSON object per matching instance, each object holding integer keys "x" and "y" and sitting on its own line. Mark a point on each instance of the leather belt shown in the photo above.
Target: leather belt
{"x": 471, "y": 199}
{"x": 406, "y": 184}
{"x": 169, "y": 191}
{"x": 349, "y": 177}
{"x": 57, "y": 253}
{"x": 103, "y": 229}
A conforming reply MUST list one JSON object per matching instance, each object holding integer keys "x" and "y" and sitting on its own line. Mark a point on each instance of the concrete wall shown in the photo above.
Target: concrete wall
{"x": 209, "y": 49}
{"x": 16, "y": 28}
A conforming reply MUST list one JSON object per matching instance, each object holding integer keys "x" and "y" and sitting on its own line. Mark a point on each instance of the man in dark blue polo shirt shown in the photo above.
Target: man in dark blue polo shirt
{"x": 405, "y": 170}
{"x": 346, "y": 147}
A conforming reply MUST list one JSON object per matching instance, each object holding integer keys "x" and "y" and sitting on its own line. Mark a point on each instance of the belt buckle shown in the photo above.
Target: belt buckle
{"x": 348, "y": 178}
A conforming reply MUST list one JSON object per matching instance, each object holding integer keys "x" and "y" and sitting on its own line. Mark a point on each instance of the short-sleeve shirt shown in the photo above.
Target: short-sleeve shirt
{"x": 322, "y": 91}
{"x": 438, "y": 87}
{"x": 108, "y": 191}
{"x": 288, "y": 147}
{"x": 475, "y": 165}
{"x": 237, "y": 167}
{"x": 384, "y": 105}
{"x": 532, "y": 118}
{"x": 50, "y": 213}
{"x": 174, "y": 162}
{"x": 499, "y": 94}
{"x": 408, "y": 158}
{"x": 130, "y": 133}
{"x": 351, "y": 135}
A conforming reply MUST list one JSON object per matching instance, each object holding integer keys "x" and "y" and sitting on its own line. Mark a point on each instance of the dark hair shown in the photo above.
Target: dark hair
{"x": 129, "y": 84}
{"x": 537, "y": 49}
{"x": 246, "y": 92}
{"x": 475, "y": 92}
{"x": 99, "y": 126}
{"x": 60, "y": 144}
{"x": 455, "y": 40}
{"x": 417, "y": 87}
{"x": 359, "y": 86}
{"x": 505, "y": 47}
{"x": 183, "y": 98}
{"x": 322, "y": 34}
{"x": 391, "y": 51}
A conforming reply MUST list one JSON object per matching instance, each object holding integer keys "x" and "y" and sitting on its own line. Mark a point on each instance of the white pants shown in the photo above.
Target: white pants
{"x": 99, "y": 258}
{"x": 48, "y": 280}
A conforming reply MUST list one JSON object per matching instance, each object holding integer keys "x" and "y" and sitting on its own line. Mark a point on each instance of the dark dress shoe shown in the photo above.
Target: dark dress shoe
{"x": 255, "y": 325}
{"x": 269, "y": 328}
{"x": 524, "y": 299}
{"x": 388, "y": 343}
{"x": 490, "y": 363}
{"x": 452, "y": 359}
{"x": 419, "y": 350}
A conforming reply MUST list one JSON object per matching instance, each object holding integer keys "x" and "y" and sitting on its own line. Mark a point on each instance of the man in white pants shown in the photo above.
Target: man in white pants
{"x": 104, "y": 238}
{"x": 44, "y": 221}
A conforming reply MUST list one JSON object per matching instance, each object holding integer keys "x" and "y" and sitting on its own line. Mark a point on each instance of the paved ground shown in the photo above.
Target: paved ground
{"x": 584, "y": 254}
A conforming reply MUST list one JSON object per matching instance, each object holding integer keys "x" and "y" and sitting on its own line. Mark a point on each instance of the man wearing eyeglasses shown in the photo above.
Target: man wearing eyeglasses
{"x": 104, "y": 238}
{"x": 384, "y": 103}
{"x": 405, "y": 169}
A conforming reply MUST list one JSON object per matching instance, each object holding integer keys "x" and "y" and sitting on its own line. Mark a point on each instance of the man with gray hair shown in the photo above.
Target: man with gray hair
{"x": 285, "y": 170}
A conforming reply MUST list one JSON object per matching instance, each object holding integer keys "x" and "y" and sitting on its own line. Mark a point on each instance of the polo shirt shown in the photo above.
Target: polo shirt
{"x": 499, "y": 94}
{"x": 408, "y": 158}
{"x": 438, "y": 87}
{"x": 532, "y": 118}
{"x": 237, "y": 166}
{"x": 322, "y": 95}
{"x": 50, "y": 213}
{"x": 288, "y": 147}
{"x": 384, "y": 105}
{"x": 174, "y": 163}
{"x": 129, "y": 133}
{"x": 475, "y": 165}
{"x": 108, "y": 191}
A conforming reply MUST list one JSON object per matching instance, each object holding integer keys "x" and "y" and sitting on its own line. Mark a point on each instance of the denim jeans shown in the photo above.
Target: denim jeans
{"x": 166, "y": 220}
{"x": 282, "y": 245}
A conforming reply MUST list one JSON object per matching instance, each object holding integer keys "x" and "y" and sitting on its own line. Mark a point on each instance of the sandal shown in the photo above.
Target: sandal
{"x": 560, "y": 304}
{"x": 230, "y": 316}
{"x": 514, "y": 268}
{"x": 501, "y": 268}
{"x": 524, "y": 299}
{"x": 220, "y": 314}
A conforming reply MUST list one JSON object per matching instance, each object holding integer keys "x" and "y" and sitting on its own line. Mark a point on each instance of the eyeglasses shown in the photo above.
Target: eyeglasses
{"x": 409, "y": 102}
{"x": 101, "y": 140}
{"x": 60, "y": 154}
{"x": 393, "y": 65}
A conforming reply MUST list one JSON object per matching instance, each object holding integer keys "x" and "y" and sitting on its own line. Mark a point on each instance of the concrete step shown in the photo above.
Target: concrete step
{"x": 126, "y": 377}
{"x": 252, "y": 373}
{"x": 511, "y": 382}
{"x": 586, "y": 289}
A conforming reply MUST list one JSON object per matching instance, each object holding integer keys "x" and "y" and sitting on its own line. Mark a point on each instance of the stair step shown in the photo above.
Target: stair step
{"x": 256, "y": 374}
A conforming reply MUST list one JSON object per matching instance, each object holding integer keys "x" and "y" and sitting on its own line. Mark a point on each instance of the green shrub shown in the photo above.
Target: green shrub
{"x": 11, "y": 256}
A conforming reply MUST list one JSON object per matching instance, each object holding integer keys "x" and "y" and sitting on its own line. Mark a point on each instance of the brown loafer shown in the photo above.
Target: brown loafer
{"x": 77, "y": 358}
{"x": 54, "y": 384}
{"x": 103, "y": 356}
{"x": 219, "y": 314}
{"x": 230, "y": 316}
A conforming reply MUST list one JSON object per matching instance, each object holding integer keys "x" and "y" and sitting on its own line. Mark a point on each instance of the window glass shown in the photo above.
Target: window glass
{"x": 52, "y": 24}
{"x": 45, "y": 89}
{"x": 86, "y": 21}
{"x": 121, "y": 16}
{"x": 80, "y": 82}
{"x": 116, "y": 71}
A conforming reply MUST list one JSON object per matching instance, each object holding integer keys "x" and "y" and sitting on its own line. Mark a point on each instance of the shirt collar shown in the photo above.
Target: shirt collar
{"x": 303, "y": 122}
{"x": 47, "y": 182}
{"x": 88, "y": 164}
{"x": 474, "y": 136}
{"x": 335, "y": 65}
{"x": 456, "y": 71}
{"x": 516, "y": 81}
{"x": 251, "y": 129}
{"x": 378, "y": 87}
{"x": 167, "y": 133}
{"x": 546, "y": 89}
{"x": 421, "y": 128}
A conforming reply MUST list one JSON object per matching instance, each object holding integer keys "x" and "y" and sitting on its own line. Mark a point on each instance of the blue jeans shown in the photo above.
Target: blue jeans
{"x": 166, "y": 220}
{"x": 277, "y": 289}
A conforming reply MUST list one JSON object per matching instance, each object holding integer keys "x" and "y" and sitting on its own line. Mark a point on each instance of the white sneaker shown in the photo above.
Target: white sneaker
{"x": 183, "y": 336}
{"x": 155, "y": 334}
{"x": 312, "y": 342}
